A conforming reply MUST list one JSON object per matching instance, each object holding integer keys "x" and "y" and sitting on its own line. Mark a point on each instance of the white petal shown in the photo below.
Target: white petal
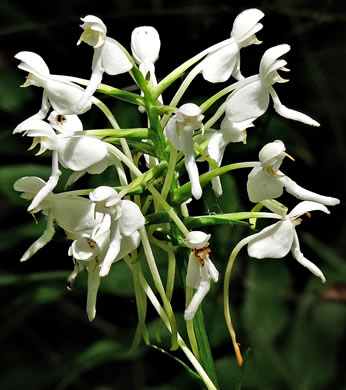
{"x": 193, "y": 274}
{"x": 199, "y": 295}
{"x": 213, "y": 272}
{"x": 41, "y": 127}
{"x": 298, "y": 255}
{"x": 93, "y": 286}
{"x": 64, "y": 97}
{"x": 289, "y": 113}
{"x": 78, "y": 153}
{"x": 248, "y": 102}
{"x": 29, "y": 184}
{"x": 101, "y": 193}
{"x": 131, "y": 218}
{"x": 303, "y": 194}
{"x": 145, "y": 44}
{"x": 269, "y": 58}
{"x": 42, "y": 241}
{"x": 66, "y": 124}
{"x": 192, "y": 170}
{"x": 33, "y": 63}
{"x": 114, "y": 60}
{"x": 271, "y": 152}
{"x": 245, "y": 24}
{"x": 96, "y": 23}
{"x": 306, "y": 206}
{"x": 262, "y": 186}
{"x": 171, "y": 133}
{"x": 219, "y": 65}
{"x": 234, "y": 132}
{"x": 128, "y": 244}
{"x": 84, "y": 248}
{"x": 197, "y": 239}
{"x": 216, "y": 147}
{"x": 274, "y": 241}
{"x": 75, "y": 214}
{"x": 113, "y": 250}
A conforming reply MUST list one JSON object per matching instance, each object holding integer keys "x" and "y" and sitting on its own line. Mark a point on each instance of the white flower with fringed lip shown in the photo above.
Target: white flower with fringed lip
{"x": 78, "y": 153}
{"x": 126, "y": 219}
{"x": 200, "y": 270}
{"x": 89, "y": 251}
{"x": 219, "y": 65}
{"x": 63, "y": 96}
{"x": 145, "y": 46}
{"x": 275, "y": 241}
{"x": 74, "y": 214}
{"x": 251, "y": 98}
{"x": 179, "y": 130}
{"x": 268, "y": 182}
{"x": 108, "y": 56}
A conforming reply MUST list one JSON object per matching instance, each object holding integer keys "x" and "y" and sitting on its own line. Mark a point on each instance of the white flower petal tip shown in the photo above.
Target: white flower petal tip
{"x": 275, "y": 241}
{"x": 94, "y": 31}
{"x": 246, "y": 23}
{"x": 197, "y": 239}
{"x": 145, "y": 45}
{"x": 189, "y": 314}
{"x": 269, "y": 61}
{"x": 32, "y": 63}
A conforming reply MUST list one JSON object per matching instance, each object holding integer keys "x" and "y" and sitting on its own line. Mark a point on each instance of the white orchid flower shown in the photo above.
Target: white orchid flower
{"x": 219, "y": 65}
{"x": 229, "y": 132}
{"x": 108, "y": 57}
{"x": 74, "y": 214}
{"x": 275, "y": 241}
{"x": 88, "y": 252}
{"x": 126, "y": 219}
{"x": 200, "y": 270}
{"x": 179, "y": 130}
{"x": 145, "y": 46}
{"x": 63, "y": 96}
{"x": 78, "y": 153}
{"x": 251, "y": 99}
{"x": 268, "y": 182}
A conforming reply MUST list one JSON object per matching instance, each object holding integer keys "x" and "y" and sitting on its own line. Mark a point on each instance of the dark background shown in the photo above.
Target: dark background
{"x": 293, "y": 324}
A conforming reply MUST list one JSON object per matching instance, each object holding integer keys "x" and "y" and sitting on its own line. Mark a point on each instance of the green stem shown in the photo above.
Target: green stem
{"x": 224, "y": 219}
{"x": 184, "y": 192}
{"x": 106, "y": 89}
{"x": 196, "y": 364}
{"x": 176, "y": 73}
{"x": 141, "y": 301}
{"x": 158, "y": 284}
{"x": 170, "y": 172}
{"x": 169, "y": 209}
{"x": 227, "y": 312}
{"x": 136, "y": 133}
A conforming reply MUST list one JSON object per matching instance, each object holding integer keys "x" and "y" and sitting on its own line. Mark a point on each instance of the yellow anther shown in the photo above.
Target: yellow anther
{"x": 289, "y": 156}
{"x": 271, "y": 171}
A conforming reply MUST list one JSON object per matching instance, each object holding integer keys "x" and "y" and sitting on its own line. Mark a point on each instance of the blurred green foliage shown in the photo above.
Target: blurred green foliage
{"x": 291, "y": 325}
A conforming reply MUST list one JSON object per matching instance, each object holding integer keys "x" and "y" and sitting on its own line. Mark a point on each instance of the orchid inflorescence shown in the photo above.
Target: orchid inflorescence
{"x": 108, "y": 224}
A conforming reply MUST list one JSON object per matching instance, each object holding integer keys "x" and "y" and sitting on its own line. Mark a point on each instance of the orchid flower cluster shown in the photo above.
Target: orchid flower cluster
{"x": 157, "y": 170}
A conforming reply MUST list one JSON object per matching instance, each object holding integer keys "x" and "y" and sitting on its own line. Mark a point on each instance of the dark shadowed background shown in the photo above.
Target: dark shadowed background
{"x": 293, "y": 324}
